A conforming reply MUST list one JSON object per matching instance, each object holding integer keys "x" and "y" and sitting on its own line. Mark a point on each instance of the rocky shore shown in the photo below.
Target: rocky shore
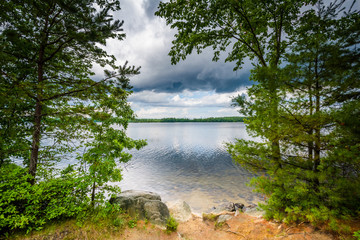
{"x": 148, "y": 205}
{"x": 228, "y": 221}
{"x": 148, "y": 216}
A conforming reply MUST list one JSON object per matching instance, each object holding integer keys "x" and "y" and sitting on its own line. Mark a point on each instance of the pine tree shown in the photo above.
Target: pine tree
{"x": 310, "y": 183}
{"x": 49, "y": 93}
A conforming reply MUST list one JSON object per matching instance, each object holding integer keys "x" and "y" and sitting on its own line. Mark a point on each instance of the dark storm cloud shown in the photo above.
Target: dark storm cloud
{"x": 147, "y": 44}
{"x": 190, "y": 81}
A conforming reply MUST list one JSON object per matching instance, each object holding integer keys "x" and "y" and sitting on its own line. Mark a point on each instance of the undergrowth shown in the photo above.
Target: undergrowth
{"x": 171, "y": 225}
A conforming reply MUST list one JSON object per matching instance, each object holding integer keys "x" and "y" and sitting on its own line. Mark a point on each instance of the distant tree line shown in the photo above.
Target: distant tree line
{"x": 210, "y": 119}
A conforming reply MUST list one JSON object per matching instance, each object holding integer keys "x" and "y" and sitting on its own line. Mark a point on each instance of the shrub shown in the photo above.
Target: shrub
{"x": 357, "y": 235}
{"x": 210, "y": 217}
{"x": 28, "y": 207}
{"x": 132, "y": 223}
{"x": 171, "y": 225}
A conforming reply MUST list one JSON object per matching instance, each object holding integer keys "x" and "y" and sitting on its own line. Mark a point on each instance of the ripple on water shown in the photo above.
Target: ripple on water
{"x": 188, "y": 161}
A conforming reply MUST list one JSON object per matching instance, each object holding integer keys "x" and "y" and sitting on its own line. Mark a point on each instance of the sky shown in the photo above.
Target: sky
{"x": 194, "y": 88}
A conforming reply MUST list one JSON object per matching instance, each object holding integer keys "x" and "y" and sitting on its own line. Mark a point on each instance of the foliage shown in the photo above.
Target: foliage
{"x": 316, "y": 179}
{"x": 53, "y": 108}
{"x": 106, "y": 215}
{"x": 219, "y": 225}
{"x": 210, "y": 217}
{"x": 48, "y": 52}
{"x": 132, "y": 223}
{"x": 98, "y": 163}
{"x": 357, "y": 234}
{"x": 171, "y": 225}
{"x": 28, "y": 207}
{"x": 250, "y": 29}
{"x": 104, "y": 221}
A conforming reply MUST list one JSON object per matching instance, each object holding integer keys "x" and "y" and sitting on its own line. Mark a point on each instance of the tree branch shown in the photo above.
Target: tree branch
{"x": 78, "y": 90}
{"x": 261, "y": 55}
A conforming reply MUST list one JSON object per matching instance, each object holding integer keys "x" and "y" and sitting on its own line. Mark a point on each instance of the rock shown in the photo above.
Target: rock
{"x": 180, "y": 210}
{"x": 143, "y": 205}
{"x": 238, "y": 206}
{"x": 223, "y": 218}
{"x": 156, "y": 212}
{"x": 137, "y": 194}
{"x": 252, "y": 210}
{"x": 249, "y": 207}
{"x": 227, "y": 207}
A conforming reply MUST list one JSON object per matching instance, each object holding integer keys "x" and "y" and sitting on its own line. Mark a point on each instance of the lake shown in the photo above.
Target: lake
{"x": 188, "y": 161}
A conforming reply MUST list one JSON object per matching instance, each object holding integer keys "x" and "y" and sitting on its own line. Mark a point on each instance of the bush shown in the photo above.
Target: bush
{"x": 292, "y": 201}
{"x": 132, "y": 223}
{"x": 171, "y": 225}
{"x": 28, "y": 207}
{"x": 357, "y": 235}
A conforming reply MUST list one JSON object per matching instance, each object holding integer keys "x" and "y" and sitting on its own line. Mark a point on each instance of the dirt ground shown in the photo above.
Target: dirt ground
{"x": 239, "y": 227}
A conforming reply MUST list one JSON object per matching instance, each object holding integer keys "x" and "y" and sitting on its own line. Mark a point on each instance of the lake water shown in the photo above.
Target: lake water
{"x": 188, "y": 161}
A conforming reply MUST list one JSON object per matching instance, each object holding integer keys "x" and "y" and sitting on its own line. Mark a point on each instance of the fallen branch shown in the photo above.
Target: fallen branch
{"x": 236, "y": 233}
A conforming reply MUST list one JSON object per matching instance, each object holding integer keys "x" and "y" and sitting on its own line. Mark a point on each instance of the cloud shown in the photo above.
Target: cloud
{"x": 184, "y": 99}
{"x": 147, "y": 43}
{"x": 162, "y": 112}
{"x": 196, "y": 87}
{"x": 190, "y": 104}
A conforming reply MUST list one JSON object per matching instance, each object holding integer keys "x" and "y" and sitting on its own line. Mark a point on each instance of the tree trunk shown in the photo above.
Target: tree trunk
{"x": 274, "y": 103}
{"x": 93, "y": 194}
{"x": 37, "y": 120}
{"x": 35, "y": 142}
{"x": 311, "y": 130}
{"x": 317, "y": 129}
{"x": 317, "y": 138}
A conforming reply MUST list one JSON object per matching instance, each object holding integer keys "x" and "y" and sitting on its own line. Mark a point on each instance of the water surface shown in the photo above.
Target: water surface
{"x": 188, "y": 161}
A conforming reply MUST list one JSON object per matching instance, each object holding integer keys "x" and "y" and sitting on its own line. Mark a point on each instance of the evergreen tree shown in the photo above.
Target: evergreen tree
{"x": 310, "y": 182}
{"x": 48, "y": 92}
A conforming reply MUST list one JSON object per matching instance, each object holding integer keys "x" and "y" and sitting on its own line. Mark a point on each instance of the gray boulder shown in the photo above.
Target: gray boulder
{"x": 143, "y": 205}
{"x": 156, "y": 212}
{"x": 138, "y": 194}
{"x": 180, "y": 210}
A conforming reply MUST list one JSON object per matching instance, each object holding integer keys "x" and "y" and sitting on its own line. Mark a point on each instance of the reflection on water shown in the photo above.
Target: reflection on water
{"x": 188, "y": 161}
